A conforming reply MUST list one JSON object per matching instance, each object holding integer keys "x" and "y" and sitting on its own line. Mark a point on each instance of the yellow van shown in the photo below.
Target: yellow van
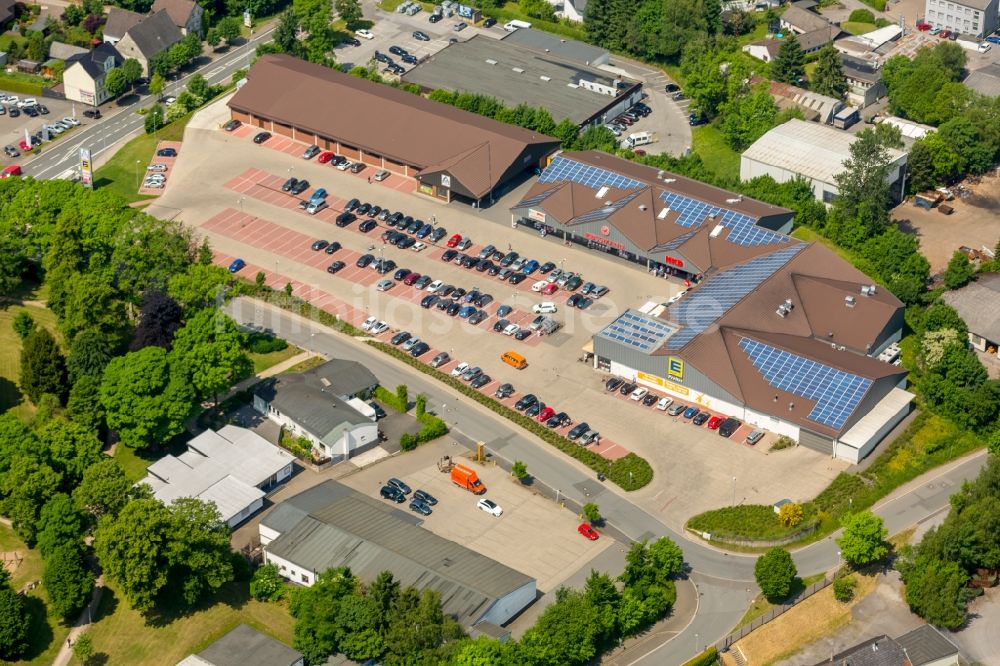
{"x": 514, "y": 359}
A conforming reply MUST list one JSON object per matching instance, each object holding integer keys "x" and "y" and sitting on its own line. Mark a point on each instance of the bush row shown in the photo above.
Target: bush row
{"x": 631, "y": 472}
{"x": 557, "y": 28}
{"x": 13, "y": 85}
{"x": 710, "y": 657}
{"x": 749, "y": 521}
{"x": 295, "y": 305}
{"x": 384, "y": 395}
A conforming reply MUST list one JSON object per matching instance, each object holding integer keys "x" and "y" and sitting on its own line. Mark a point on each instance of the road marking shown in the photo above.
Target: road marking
{"x": 216, "y": 70}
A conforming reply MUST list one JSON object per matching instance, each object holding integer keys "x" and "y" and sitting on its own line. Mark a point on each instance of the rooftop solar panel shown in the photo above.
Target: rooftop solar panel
{"x": 637, "y": 330}
{"x": 835, "y": 392}
{"x": 537, "y": 199}
{"x": 714, "y": 298}
{"x": 604, "y": 212}
{"x": 563, "y": 168}
{"x": 675, "y": 243}
{"x": 743, "y": 229}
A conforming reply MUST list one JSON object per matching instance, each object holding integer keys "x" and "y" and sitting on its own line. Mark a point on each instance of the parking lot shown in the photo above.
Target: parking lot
{"x": 12, "y": 128}
{"x": 534, "y": 535}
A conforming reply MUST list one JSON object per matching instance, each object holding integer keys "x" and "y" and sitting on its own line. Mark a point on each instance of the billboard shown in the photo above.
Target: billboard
{"x": 465, "y": 11}
{"x": 86, "y": 169}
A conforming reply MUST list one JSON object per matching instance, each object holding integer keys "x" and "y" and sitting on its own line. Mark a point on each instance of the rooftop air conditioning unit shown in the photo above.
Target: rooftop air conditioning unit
{"x": 841, "y": 348}
{"x": 850, "y": 301}
{"x": 789, "y": 304}
{"x": 717, "y": 230}
{"x": 735, "y": 200}
{"x": 642, "y": 206}
{"x": 781, "y": 311}
{"x": 833, "y": 345}
{"x": 659, "y": 174}
{"x": 517, "y": 69}
{"x": 871, "y": 290}
{"x": 864, "y": 290}
{"x": 491, "y": 61}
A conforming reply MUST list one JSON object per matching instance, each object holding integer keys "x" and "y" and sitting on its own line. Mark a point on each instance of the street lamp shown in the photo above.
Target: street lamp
{"x": 137, "y": 163}
{"x": 734, "y": 491}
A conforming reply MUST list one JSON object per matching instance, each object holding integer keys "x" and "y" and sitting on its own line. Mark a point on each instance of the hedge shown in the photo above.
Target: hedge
{"x": 630, "y": 473}
{"x": 382, "y": 394}
{"x": 294, "y": 304}
{"x": 709, "y": 657}
{"x": 748, "y": 521}
{"x": 13, "y": 85}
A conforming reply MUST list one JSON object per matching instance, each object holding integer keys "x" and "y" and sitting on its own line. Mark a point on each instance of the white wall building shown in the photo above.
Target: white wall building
{"x": 969, "y": 17}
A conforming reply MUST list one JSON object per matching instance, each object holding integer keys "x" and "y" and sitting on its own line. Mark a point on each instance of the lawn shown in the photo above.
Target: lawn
{"x": 121, "y": 173}
{"x": 262, "y": 362}
{"x": 855, "y": 28}
{"x": 715, "y": 153}
{"x": 10, "y": 357}
{"x": 761, "y": 605}
{"x": 809, "y": 236}
{"x": 124, "y": 636}
{"x": 307, "y": 364}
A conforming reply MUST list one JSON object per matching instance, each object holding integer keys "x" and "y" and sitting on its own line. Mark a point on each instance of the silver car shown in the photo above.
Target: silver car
{"x": 440, "y": 360}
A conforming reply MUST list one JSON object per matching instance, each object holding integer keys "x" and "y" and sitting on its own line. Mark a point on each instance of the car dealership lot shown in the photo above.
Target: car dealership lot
{"x": 12, "y": 129}
{"x": 694, "y": 466}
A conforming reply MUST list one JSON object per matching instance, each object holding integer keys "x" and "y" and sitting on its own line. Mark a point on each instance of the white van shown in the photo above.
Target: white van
{"x": 636, "y": 139}
{"x": 548, "y": 307}
{"x": 511, "y": 26}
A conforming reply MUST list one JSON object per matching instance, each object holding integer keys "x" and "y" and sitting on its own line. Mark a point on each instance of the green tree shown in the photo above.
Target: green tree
{"x": 199, "y": 287}
{"x": 403, "y": 395}
{"x": 92, "y": 302}
{"x": 861, "y": 16}
{"x": 959, "y": 271}
{"x": 83, "y": 648}
{"x": 565, "y": 633}
{"x": 26, "y": 487}
{"x": 592, "y": 513}
{"x": 666, "y": 558}
{"x": 349, "y": 11}
{"x": 71, "y": 447}
{"x": 920, "y": 168}
{"x": 789, "y": 65}
{"x": 286, "y": 31}
{"x": 936, "y": 591}
{"x": 89, "y": 353}
{"x": 198, "y": 86}
{"x": 156, "y": 84}
{"x": 36, "y": 47}
{"x": 315, "y": 610}
{"x": 828, "y": 76}
{"x": 84, "y": 406}
{"x": 67, "y": 580}
{"x": 863, "y": 541}
{"x": 775, "y": 572}
{"x": 154, "y": 120}
{"x": 864, "y": 191}
{"x": 104, "y": 490}
{"x": 567, "y": 132}
{"x": 228, "y": 28}
{"x": 213, "y": 38}
{"x": 15, "y": 623}
{"x": 267, "y": 584}
{"x": 43, "y": 368}
{"x": 539, "y": 9}
{"x": 519, "y": 469}
{"x": 23, "y": 324}
{"x": 745, "y": 118}
{"x": 60, "y": 524}
{"x": 114, "y": 82}
{"x": 210, "y": 349}
{"x": 132, "y": 71}
{"x": 602, "y": 594}
{"x": 145, "y": 397}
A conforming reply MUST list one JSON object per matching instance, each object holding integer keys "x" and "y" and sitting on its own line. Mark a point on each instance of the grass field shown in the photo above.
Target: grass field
{"x": 262, "y": 362}
{"x": 761, "y": 605}
{"x": 10, "y": 357}
{"x": 856, "y": 28}
{"x": 124, "y": 636}
{"x": 122, "y": 172}
{"x": 720, "y": 158}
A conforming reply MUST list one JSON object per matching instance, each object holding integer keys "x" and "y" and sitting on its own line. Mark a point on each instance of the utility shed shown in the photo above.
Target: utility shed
{"x": 978, "y": 303}
{"x": 245, "y": 646}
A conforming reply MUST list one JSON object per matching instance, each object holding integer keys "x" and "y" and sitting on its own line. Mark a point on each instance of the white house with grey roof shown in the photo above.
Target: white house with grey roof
{"x": 245, "y": 646}
{"x": 323, "y": 405}
{"x": 970, "y": 17}
{"x": 331, "y": 525}
{"x": 232, "y": 468}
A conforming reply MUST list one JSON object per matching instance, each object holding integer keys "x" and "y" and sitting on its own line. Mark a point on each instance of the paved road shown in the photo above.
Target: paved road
{"x": 62, "y": 159}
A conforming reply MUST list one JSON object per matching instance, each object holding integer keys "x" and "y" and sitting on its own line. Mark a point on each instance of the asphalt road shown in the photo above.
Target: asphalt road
{"x": 61, "y": 160}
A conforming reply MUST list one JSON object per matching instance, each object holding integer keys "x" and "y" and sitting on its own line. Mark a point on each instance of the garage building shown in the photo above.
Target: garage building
{"x": 449, "y": 152}
{"x": 331, "y": 525}
{"x": 517, "y": 74}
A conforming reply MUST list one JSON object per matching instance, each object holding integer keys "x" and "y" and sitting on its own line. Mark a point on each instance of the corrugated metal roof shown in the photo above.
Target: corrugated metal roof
{"x": 978, "y": 303}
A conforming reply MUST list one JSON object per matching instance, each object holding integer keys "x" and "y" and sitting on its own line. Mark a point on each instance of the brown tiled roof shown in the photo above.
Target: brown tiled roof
{"x": 384, "y": 120}
{"x": 179, "y": 10}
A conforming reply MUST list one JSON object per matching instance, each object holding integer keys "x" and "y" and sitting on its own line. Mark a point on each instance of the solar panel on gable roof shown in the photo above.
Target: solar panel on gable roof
{"x": 537, "y": 199}
{"x": 643, "y": 333}
{"x": 835, "y": 392}
{"x": 564, "y": 168}
{"x": 604, "y": 212}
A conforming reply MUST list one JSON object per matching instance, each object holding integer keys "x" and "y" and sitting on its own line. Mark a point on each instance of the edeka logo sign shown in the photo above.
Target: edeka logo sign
{"x": 660, "y": 381}
{"x": 675, "y": 367}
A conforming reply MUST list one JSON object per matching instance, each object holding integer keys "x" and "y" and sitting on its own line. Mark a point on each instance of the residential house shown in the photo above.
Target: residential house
{"x": 986, "y": 80}
{"x": 83, "y": 78}
{"x": 325, "y": 405}
{"x": 971, "y": 17}
{"x": 60, "y": 51}
{"x": 233, "y": 468}
{"x": 153, "y": 34}
{"x": 119, "y": 22}
{"x": 764, "y": 49}
{"x": 864, "y": 80}
{"x": 801, "y": 21}
{"x": 978, "y": 303}
{"x": 924, "y": 646}
{"x": 245, "y": 646}
{"x": 809, "y": 42}
{"x": 187, "y": 15}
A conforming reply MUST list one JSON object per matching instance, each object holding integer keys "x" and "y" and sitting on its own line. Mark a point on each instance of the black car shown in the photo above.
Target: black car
{"x": 429, "y": 301}
{"x": 583, "y": 302}
{"x": 335, "y": 267}
{"x": 483, "y": 300}
{"x": 405, "y": 243}
{"x": 438, "y": 234}
{"x": 319, "y": 245}
{"x": 453, "y": 309}
{"x": 517, "y": 278}
{"x": 443, "y": 304}
{"x": 553, "y": 422}
{"x": 478, "y": 317}
{"x": 504, "y": 390}
{"x": 613, "y": 383}
{"x": 547, "y": 267}
{"x": 394, "y": 219}
{"x": 421, "y": 508}
{"x": 627, "y": 388}
{"x": 446, "y": 291}
{"x": 671, "y": 88}
{"x": 421, "y": 36}
{"x": 468, "y": 262}
{"x": 289, "y": 184}
{"x": 650, "y": 399}
{"x": 490, "y": 22}
{"x": 364, "y": 260}
{"x": 92, "y": 113}
{"x": 401, "y": 274}
{"x": 728, "y": 427}
{"x": 434, "y": 18}
{"x": 166, "y": 152}
{"x": 509, "y": 258}
{"x": 351, "y": 205}
{"x": 419, "y": 349}
{"x": 229, "y": 127}
{"x": 449, "y": 255}
{"x": 425, "y": 497}
{"x": 525, "y": 402}
{"x": 373, "y": 211}
{"x": 366, "y": 226}
{"x": 392, "y": 493}
{"x": 578, "y": 431}
{"x": 522, "y": 334}
{"x": 400, "y": 338}
{"x": 500, "y": 324}
{"x": 261, "y": 137}
{"x": 696, "y": 119}
{"x": 386, "y": 266}
{"x": 353, "y": 41}
{"x": 483, "y": 265}
{"x": 332, "y": 247}
{"x": 480, "y": 381}
{"x": 381, "y": 57}
{"x": 409, "y": 58}
{"x": 414, "y": 226}
{"x": 300, "y": 187}
{"x": 700, "y": 418}
{"x": 363, "y": 209}
{"x": 534, "y": 409}
{"x": 573, "y": 300}
{"x": 458, "y": 294}
{"x": 397, "y": 50}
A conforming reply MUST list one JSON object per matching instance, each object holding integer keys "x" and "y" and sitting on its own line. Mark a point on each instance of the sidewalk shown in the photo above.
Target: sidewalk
{"x": 81, "y": 625}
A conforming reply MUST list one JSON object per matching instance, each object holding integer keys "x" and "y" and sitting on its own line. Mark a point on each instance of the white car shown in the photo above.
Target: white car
{"x": 676, "y": 297}
{"x": 344, "y": 166}
{"x": 157, "y": 167}
{"x": 418, "y": 247}
{"x": 490, "y": 507}
{"x": 364, "y": 34}
{"x": 380, "y": 327}
{"x": 170, "y": 100}
{"x": 367, "y": 326}
{"x": 511, "y": 329}
{"x": 554, "y": 275}
{"x": 55, "y": 129}
{"x": 30, "y": 101}
{"x": 433, "y": 287}
{"x": 459, "y": 369}
{"x": 69, "y": 120}
{"x": 385, "y": 285}
{"x": 538, "y": 286}
{"x": 663, "y": 403}
{"x": 153, "y": 186}
{"x": 639, "y": 393}
{"x": 13, "y": 99}
{"x": 548, "y": 307}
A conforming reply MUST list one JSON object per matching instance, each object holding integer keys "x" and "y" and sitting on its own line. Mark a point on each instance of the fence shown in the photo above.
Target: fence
{"x": 759, "y": 622}
{"x": 759, "y": 543}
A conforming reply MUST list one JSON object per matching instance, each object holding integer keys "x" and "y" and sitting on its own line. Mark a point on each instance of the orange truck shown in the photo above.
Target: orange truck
{"x": 467, "y": 478}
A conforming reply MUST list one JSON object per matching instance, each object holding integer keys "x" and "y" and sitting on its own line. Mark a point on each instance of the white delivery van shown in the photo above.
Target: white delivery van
{"x": 511, "y": 26}
{"x": 363, "y": 408}
{"x": 636, "y": 139}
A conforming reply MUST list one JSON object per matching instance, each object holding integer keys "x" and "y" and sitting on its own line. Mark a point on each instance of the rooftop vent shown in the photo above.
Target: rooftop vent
{"x": 781, "y": 311}
{"x": 546, "y": 50}
{"x": 791, "y": 406}
{"x": 717, "y": 230}
{"x": 833, "y": 346}
{"x": 850, "y": 301}
{"x": 517, "y": 69}
{"x": 642, "y": 206}
{"x": 491, "y": 61}
{"x": 662, "y": 215}
{"x": 324, "y": 381}
{"x": 789, "y": 304}
{"x": 868, "y": 290}
{"x": 601, "y": 192}
{"x": 669, "y": 180}
{"x": 545, "y": 78}
{"x": 735, "y": 199}
{"x": 660, "y": 174}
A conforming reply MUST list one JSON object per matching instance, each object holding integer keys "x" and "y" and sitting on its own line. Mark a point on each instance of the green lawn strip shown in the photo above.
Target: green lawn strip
{"x": 760, "y": 605}
{"x": 10, "y": 355}
{"x": 631, "y": 472}
{"x": 262, "y": 362}
{"x": 717, "y": 156}
{"x": 308, "y": 364}
{"x": 747, "y": 521}
{"x": 856, "y": 28}
{"x": 928, "y": 442}
{"x": 512, "y": 11}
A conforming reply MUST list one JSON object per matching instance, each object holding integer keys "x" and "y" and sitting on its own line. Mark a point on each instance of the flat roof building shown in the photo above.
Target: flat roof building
{"x": 971, "y": 17}
{"x": 448, "y": 151}
{"x": 331, "y": 525}
{"x": 519, "y": 74}
{"x": 245, "y": 646}
{"x": 568, "y": 49}
{"x": 814, "y": 152}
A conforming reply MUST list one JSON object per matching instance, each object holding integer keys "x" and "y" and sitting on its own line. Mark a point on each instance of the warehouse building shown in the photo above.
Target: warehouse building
{"x": 518, "y": 74}
{"x": 642, "y": 215}
{"x": 798, "y": 149}
{"x": 331, "y": 525}
{"x": 567, "y": 49}
{"x": 450, "y": 153}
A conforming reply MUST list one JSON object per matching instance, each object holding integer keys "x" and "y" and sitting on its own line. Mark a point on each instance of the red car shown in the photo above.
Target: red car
{"x": 454, "y": 240}
{"x": 24, "y": 145}
{"x": 546, "y": 414}
{"x": 944, "y": 34}
{"x": 714, "y": 423}
{"x": 325, "y": 157}
{"x": 923, "y": 26}
{"x": 550, "y": 289}
{"x": 411, "y": 278}
{"x": 588, "y": 531}
{"x": 11, "y": 170}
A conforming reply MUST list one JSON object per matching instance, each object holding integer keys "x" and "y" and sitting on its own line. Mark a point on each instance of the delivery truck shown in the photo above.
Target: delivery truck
{"x": 468, "y": 479}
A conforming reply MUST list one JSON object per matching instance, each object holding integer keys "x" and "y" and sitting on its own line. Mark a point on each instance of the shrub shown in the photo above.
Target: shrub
{"x": 775, "y": 572}
{"x": 843, "y": 588}
{"x": 262, "y": 343}
{"x": 519, "y": 469}
{"x": 391, "y": 399}
{"x": 408, "y": 442}
{"x": 790, "y": 515}
{"x": 783, "y": 442}
{"x": 861, "y": 16}
{"x": 267, "y": 584}
{"x": 592, "y": 513}
{"x": 710, "y": 657}
{"x": 749, "y": 521}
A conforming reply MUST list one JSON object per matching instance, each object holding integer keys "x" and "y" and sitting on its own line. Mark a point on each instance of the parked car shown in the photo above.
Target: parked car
{"x": 392, "y": 494}
{"x": 229, "y": 127}
{"x": 310, "y": 152}
{"x": 364, "y": 34}
{"x": 165, "y": 152}
{"x": 421, "y": 36}
{"x": 400, "y": 338}
{"x": 639, "y": 393}
{"x": 729, "y": 426}
{"x": 714, "y": 423}
{"x": 578, "y": 431}
{"x": 649, "y": 400}
{"x": 237, "y": 265}
{"x": 335, "y": 267}
{"x": 755, "y": 436}
{"x": 420, "y": 507}
{"x": 425, "y": 497}
{"x": 504, "y": 391}
{"x": 525, "y": 402}
{"x": 459, "y": 369}
{"x": 690, "y": 412}
{"x": 440, "y": 360}
{"x": 490, "y": 507}
{"x": 676, "y": 409}
{"x": 587, "y": 531}
{"x": 261, "y": 137}
{"x": 700, "y": 418}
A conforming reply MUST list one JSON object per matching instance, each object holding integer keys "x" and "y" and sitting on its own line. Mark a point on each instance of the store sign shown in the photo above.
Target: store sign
{"x": 603, "y": 241}
{"x": 675, "y": 367}
{"x": 465, "y": 11}
{"x": 426, "y": 189}
{"x": 664, "y": 383}
{"x": 536, "y": 215}
{"x": 86, "y": 168}
{"x": 674, "y": 262}
{"x": 605, "y": 230}
{"x": 445, "y": 180}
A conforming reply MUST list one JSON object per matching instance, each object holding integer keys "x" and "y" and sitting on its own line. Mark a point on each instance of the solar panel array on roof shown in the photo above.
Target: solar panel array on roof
{"x": 604, "y": 212}
{"x": 743, "y": 229}
{"x": 836, "y": 392}
{"x": 676, "y": 243}
{"x": 563, "y": 168}
{"x": 636, "y": 330}
{"x": 714, "y": 298}
{"x": 537, "y": 199}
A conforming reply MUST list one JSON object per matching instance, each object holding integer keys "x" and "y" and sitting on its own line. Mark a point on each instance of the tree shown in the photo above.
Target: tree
{"x": 403, "y": 395}
{"x": 199, "y": 551}
{"x": 146, "y": 398}
{"x": 154, "y": 120}
{"x": 70, "y": 447}
{"x": 864, "y": 191}
{"x": 775, "y": 572}
{"x": 349, "y": 11}
{"x": 67, "y": 580}
{"x": 863, "y": 540}
{"x": 159, "y": 318}
{"x": 539, "y": 9}
{"x": 200, "y": 286}
{"x": 156, "y": 84}
{"x": 592, "y": 513}
{"x": 210, "y": 349}
{"x": 843, "y": 588}
{"x": 60, "y": 524}
{"x": 315, "y": 610}
{"x": 267, "y": 584}
{"x": 199, "y": 87}
{"x": 84, "y": 404}
{"x": 92, "y": 301}
{"x": 132, "y": 71}
{"x": 26, "y": 487}
{"x": 920, "y": 168}
{"x": 828, "y": 76}
{"x": 89, "y": 353}
{"x": 228, "y": 28}
{"x": 959, "y": 271}
{"x": 285, "y": 34}
{"x": 567, "y": 132}
{"x": 790, "y": 515}
{"x": 789, "y": 65}
{"x": 519, "y": 469}
{"x": 104, "y": 490}
{"x": 936, "y": 591}
{"x": 43, "y": 368}
{"x": 861, "y": 16}
{"x": 114, "y": 82}
{"x": 36, "y": 47}
{"x": 746, "y": 117}
{"x": 565, "y": 633}
{"x": 23, "y": 324}
{"x": 15, "y": 623}
{"x": 213, "y": 38}
{"x": 83, "y": 648}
